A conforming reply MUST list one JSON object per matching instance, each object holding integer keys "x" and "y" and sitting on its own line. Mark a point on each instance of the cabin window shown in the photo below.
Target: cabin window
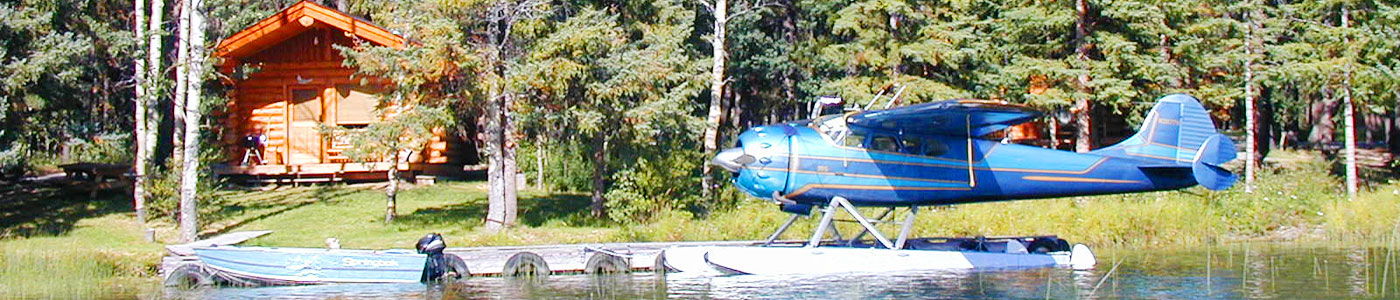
{"x": 356, "y": 105}
{"x": 306, "y": 105}
{"x": 884, "y": 143}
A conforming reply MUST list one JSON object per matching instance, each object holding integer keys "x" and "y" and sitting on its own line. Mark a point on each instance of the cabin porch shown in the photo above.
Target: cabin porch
{"x": 334, "y": 172}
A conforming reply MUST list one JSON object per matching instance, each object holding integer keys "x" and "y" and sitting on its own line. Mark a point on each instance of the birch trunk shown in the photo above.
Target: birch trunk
{"x": 509, "y": 169}
{"x": 600, "y": 168}
{"x": 189, "y": 179}
{"x": 539, "y": 162}
{"x": 495, "y": 199}
{"x": 1349, "y": 116}
{"x": 138, "y": 190}
{"x": 717, "y": 83}
{"x": 392, "y": 192}
{"x": 1083, "y": 114}
{"x": 182, "y": 79}
{"x": 1250, "y": 111}
{"x": 153, "y": 84}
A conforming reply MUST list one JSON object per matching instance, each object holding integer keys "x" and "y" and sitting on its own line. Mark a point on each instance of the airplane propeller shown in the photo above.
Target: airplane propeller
{"x": 732, "y": 159}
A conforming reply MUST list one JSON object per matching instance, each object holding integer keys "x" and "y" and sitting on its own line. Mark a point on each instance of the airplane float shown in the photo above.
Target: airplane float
{"x": 932, "y": 154}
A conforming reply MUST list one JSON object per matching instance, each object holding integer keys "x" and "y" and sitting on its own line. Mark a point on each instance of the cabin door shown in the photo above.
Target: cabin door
{"x": 307, "y": 112}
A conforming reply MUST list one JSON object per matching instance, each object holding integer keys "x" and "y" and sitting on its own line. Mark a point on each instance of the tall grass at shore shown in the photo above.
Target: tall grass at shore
{"x": 1374, "y": 214}
{"x": 103, "y": 257}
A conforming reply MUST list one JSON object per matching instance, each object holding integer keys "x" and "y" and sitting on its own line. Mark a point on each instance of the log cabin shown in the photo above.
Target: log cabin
{"x": 298, "y": 82}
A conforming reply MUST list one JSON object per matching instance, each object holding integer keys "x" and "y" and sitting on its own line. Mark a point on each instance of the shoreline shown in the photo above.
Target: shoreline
{"x": 1299, "y": 204}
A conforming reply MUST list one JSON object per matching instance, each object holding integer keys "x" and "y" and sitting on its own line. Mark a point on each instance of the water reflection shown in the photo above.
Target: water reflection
{"x": 1262, "y": 271}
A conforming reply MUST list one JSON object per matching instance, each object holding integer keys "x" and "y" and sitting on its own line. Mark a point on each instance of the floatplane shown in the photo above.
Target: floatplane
{"x": 933, "y": 154}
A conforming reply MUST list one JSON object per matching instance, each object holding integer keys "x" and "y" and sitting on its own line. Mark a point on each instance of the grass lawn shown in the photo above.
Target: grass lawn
{"x": 58, "y": 242}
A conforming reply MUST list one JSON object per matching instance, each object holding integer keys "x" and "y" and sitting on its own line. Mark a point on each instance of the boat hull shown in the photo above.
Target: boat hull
{"x": 825, "y": 260}
{"x": 311, "y": 265}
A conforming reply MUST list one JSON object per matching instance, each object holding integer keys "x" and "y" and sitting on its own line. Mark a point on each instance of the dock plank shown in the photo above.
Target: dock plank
{"x": 231, "y": 238}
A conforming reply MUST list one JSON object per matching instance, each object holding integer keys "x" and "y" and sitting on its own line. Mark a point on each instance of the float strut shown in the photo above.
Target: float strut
{"x": 862, "y": 233}
{"x": 908, "y": 224}
{"x": 838, "y": 200}
{"x": 827, "y": 213}
{"x": 781, "y": 229}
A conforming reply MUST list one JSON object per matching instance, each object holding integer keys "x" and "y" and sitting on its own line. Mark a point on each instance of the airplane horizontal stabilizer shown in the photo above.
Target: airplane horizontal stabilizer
{"x": 1218, "y": 149}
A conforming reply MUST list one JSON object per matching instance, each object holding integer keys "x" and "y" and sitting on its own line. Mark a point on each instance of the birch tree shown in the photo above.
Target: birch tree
{"x": 177, "y": 103}
{"x": 1251, "y": 92}
{"x": 1348, "y": 109}
{"x": 138, "y": 190}
{"x": 189, "y": 171}
{"x": 502, "y": 49}
{"x": 719, "y": 53}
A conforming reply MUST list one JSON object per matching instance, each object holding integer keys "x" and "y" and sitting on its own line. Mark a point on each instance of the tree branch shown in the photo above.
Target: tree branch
{"x": 709, "y": 7}
{"x": 747, "y": 9}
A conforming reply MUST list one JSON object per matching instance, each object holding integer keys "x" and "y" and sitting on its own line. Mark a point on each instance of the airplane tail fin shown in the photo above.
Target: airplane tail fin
{"x": 1178, "y": 132}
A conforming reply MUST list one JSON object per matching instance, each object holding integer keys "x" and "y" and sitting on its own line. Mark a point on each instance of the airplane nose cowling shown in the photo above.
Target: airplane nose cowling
{"x": 732, "y": 159}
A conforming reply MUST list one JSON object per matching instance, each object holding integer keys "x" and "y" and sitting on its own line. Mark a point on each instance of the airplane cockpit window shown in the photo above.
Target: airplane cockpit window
{"x": 884, "y": 143}
{"x": 854, "y": 139}
{"x": 832, "y": 126}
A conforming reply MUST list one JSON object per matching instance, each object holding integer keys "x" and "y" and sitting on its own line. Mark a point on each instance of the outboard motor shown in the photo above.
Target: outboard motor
{"x": 436, "y": 265}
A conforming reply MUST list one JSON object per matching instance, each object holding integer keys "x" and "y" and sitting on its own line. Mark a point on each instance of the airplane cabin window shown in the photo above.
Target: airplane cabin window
{"x": 912, "y": 145}
{"x": 884, "y": 143}
{"x": 934, "y": 147}
{"x": 854, "y": 139}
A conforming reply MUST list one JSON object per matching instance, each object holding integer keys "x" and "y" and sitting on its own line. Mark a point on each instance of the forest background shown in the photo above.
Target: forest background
{"x": 626, "y": 99}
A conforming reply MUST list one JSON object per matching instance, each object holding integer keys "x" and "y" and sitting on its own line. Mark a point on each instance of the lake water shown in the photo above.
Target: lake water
{"x": 1254, "y": 271}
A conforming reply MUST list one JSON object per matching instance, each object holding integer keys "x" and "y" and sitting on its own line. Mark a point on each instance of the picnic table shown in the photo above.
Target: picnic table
{"x": 97, "y": 172}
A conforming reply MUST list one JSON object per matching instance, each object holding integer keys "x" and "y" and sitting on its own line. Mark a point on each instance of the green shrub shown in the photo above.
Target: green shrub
{"x": 652, "y": 185}
{"x": 163, "y": 191}
{"x": 14, "y": 162}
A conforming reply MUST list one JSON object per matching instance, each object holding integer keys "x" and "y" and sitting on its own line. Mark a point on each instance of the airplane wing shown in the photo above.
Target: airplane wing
{"x": 951, "y": 117}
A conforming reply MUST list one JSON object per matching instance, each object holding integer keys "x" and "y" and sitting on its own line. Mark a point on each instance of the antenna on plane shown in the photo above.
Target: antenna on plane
{"x": 872, "y": 99}
{"x": 896, "y": 96}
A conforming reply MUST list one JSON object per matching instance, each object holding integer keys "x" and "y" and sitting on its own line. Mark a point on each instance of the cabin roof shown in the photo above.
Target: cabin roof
{"x": 296, "y": 19}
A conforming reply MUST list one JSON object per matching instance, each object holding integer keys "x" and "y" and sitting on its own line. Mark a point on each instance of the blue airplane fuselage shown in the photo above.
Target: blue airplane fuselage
{"x": 803, "y": 165}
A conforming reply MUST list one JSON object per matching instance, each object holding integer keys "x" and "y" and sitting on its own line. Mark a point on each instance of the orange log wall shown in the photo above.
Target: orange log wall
{"x": 306, "y": 62}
